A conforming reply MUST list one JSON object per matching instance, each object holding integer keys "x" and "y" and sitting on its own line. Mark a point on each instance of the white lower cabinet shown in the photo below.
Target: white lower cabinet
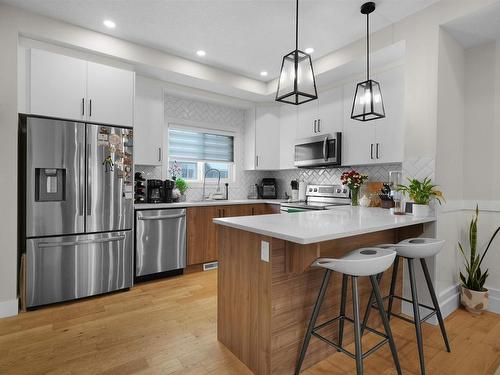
{"x": 148, "y": 123}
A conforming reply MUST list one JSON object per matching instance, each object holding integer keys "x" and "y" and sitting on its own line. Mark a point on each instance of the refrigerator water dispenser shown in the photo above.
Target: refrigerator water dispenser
{"x": 50, "y": 184}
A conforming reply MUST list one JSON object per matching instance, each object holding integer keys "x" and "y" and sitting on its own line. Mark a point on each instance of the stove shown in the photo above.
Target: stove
{"x": 320, "y": 197}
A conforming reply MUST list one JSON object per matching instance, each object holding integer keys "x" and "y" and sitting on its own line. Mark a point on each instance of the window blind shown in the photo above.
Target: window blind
{"x": 193, "y": 145}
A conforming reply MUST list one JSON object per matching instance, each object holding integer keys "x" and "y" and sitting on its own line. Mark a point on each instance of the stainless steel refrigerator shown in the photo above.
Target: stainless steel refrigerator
{"x": 76, "y": 208}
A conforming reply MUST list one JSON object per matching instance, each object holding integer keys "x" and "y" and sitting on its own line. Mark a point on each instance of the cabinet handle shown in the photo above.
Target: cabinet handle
{"x": 83, "y": 106}
{"x": 256, "y": 160}
{"x": 315, "y": 126}
{"x": 253, "y": 211}
{"x": 90, "y": 107}
{"x": 371, "y": 151}
{"x": 319, "y": 125}
{"x": 376, "y": 153}
{"x": 159, "y": 153}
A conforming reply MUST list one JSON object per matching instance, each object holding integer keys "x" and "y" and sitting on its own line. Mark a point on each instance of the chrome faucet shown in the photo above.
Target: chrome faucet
{"x": 205, "y": 180}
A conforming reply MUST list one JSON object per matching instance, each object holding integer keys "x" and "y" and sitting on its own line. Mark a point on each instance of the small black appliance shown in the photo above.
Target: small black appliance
{"x": 268, "y": 189}
{"x": 155, "y": 191}
{"x": 168, "y": 186}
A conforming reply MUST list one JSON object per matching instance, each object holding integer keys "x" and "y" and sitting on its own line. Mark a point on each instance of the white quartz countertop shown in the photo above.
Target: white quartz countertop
{"x": 315, "y": 226}
{"x": 149, "y": 206}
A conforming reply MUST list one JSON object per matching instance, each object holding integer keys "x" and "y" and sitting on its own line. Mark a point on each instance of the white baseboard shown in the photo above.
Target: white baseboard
{"x": 9, "y": 308}
{"x": 494, "y": 300}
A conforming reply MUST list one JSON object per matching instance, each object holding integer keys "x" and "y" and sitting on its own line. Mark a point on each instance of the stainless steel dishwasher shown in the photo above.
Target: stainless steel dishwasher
{"x": 160, "y": 241}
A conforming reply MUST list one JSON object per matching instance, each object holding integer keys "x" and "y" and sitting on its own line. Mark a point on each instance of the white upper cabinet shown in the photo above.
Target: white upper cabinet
{"x": 267, "y": 138}
{"x": 262, "y": 138}
{"x": 148, "y": 123}
{"x": 377, "y": 141}
{"x": 307, "y": 119}
{"x": 390, "y": 130}
{"x": 71, "y": 88}
{"x": 58, "y": 85}
{"x": 110, "y": 93}
{"x": 288, "y": 128}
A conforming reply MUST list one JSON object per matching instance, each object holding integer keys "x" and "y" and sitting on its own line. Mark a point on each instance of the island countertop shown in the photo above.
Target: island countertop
{"x": 323, "y": 225}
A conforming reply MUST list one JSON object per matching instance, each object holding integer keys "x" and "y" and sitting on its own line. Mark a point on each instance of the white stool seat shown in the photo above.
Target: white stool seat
{"x": 367, "y": 261}
{"x": 418, "y": 248}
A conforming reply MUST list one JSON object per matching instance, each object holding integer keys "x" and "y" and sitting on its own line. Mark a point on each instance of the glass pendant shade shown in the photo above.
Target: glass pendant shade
{"x": 296, "y": 84}
{"x": 368, "y": 104}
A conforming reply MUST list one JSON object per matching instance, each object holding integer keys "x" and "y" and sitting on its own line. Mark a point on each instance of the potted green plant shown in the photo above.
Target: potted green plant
{"x": 474, "y": 296}
{"x": 421, "y": 193}
{"x": 182, "y": 186}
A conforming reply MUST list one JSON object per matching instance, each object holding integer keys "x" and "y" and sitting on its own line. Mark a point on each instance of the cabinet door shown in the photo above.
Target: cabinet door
{"x": 288, "y": 128}
{"x": 236, "y": 210}
{"x": 331, "y": 110}
{"x": 358, "y": 139}
{"x": 148, "y": 124}
{"x": 201, "y": 234}
{"x": 265, "y": 209}
{"x": 267, "y": 138}
{"x": 390, "y": 130}
{"x": 110, "y": 93}
{"x": 307, "y": 114}
{"x": 57, "y": 85}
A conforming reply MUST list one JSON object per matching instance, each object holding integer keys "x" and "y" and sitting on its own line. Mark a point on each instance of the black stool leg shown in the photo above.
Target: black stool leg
{"x": 357, "y": 326}
{"x": 312, "y": 321}
{"x": 343, "y": 299}
{"x": 394, "y": 278}
{"x": 435, "y": 302}
{"x": 369, "y": 306}
{"x": 385, "y": 322}
{"x": 416, "y": 314}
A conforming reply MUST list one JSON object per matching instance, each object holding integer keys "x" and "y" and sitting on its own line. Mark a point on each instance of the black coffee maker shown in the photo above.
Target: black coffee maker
{"x": 155, "y": 191}
{"x": 168, "y": 186}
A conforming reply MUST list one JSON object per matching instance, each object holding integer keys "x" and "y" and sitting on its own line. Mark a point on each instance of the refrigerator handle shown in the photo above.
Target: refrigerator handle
{"x": 42, "y": 245}
{"x": 81, "y": 178}
{"x": 89, "y": 185}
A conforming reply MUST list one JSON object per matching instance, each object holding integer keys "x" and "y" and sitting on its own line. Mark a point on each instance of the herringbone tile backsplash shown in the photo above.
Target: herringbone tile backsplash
{"x": 183, "y": 109}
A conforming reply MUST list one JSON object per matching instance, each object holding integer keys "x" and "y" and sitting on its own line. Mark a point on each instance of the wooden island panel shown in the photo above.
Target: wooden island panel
{"x": 264, "y": 307}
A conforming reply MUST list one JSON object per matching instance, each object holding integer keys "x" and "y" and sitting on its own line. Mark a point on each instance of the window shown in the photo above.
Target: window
{"x": 197, "y": 152}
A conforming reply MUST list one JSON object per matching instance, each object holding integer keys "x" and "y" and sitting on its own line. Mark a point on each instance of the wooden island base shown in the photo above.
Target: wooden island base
{"x": 264, "y": 307}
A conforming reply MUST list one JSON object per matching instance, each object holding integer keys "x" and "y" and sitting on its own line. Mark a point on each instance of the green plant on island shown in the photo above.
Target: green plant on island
{"x": 421, "y": 192}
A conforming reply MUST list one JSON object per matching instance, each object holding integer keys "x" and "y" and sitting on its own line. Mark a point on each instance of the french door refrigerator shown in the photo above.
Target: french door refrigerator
{"x": 76, "y": 192}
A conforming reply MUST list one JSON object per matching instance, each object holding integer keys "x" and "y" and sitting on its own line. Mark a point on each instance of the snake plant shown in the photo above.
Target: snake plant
{"x": 474, "y": 278}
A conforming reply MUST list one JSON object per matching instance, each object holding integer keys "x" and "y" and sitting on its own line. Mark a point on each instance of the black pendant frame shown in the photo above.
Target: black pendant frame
{"x": 297, "y": 57}
{"x": 370, "y": 113}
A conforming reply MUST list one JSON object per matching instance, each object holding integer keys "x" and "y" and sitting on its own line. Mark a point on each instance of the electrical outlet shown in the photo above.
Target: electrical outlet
{"x": 264, "y": 251}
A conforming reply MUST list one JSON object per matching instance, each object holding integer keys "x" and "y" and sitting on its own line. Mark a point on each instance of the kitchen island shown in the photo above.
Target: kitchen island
{"x": 266, "y": 289}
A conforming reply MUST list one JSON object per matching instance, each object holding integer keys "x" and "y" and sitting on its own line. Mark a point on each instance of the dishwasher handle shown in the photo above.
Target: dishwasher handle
{"x": 161, "y": 217}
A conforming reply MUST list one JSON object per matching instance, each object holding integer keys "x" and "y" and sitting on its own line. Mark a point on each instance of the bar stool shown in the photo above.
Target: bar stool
{"x": 411, "y": 249}
{"x": 362, "y": 262}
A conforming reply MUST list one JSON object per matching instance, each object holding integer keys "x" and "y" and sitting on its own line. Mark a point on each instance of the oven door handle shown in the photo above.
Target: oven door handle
{"x": 325, "y": 148}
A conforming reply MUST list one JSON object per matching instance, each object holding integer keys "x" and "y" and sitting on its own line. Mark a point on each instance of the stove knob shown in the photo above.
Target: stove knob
{"x": 310, "y": 189}
{"x": 344, "y": 191}
{"x": 339, "y": 191}
{"x": 315, "y": 190}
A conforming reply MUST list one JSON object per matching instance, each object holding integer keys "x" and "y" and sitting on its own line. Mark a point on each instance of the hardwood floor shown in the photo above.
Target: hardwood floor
{"x": 169, "y": 327}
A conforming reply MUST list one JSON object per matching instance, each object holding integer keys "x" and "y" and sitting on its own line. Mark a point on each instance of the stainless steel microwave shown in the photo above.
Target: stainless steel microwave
{"x": 319, "y": 151}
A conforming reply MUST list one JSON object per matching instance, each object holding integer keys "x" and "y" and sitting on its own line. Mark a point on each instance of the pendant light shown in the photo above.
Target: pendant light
{"x": 368, "y": 104}
{"x": 296, "y": 84}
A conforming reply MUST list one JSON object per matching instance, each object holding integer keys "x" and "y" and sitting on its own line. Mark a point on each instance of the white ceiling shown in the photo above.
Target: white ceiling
{"x": 241, "y": 36}
{"x": 478, "y": 28}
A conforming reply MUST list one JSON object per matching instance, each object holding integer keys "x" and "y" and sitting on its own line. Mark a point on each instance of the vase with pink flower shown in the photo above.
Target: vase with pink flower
{"x": 353, "y": 180}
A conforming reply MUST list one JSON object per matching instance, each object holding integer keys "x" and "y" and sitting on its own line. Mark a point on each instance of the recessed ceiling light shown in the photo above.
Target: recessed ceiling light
{"x": 263, "y": 73}
{"x": 201, "y": 53}
{"x": 309, "y": 50}
{"x": 109, "y": 24}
